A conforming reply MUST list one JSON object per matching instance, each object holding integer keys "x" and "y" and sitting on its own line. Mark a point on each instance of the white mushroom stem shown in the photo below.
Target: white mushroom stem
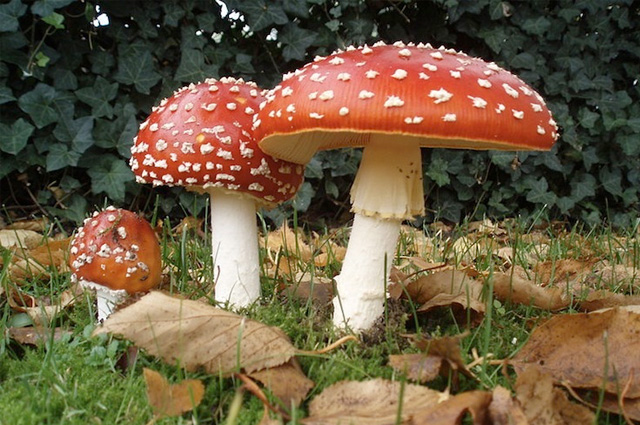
{"x": 234, "y": 244}
{"x": 106, "y": 299}
{"x": 387, "y": 190}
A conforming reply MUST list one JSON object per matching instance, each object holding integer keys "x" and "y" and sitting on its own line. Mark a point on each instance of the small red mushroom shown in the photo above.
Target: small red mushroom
{"x": 115, "y": 252}
{"x": 201, "y": 138}
{"x": 392, "y": 100}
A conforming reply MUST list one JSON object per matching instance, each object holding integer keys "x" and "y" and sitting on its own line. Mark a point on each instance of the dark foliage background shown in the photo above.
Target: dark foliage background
{"x": 72, "y": 92}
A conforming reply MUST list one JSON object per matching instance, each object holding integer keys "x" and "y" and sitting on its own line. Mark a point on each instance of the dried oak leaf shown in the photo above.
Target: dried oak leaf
{"x": 544, "y": 404}
{"x": 172, "y": 399}
{"x": 509, "y": 287}
{"x": 372, "y": 402}
{"x": 286, "y": 381}
{"x": 199, "y": 335}
{"x": 577, "y": 350}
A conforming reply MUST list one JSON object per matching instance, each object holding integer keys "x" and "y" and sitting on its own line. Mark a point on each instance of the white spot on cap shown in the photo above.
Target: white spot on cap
{"x": 316, "y": 115}
{"x": 336, "y": 60}
{"x": 536, "y": 107}
{"x": 326, "y": 95}
{"x": 423, "y": 76}
{"x": 208, "y": 106}
{"x": 224, "y": 154}
{"x": 318, "y": 78}
{"x": 344, "y": 76}
{"x": 430, "y": 67}
{"x": 249, "y": 110}
{"x": 478, "y": 102}
{"x": 343, "y": 111}
{"x": 213, "y": 88}
{"x": 541, "y": 130}
{"x": 291, "y": 108}
{"x": 518, "y": 114}
{"x": 206, "y": 148}
{"x": 510, "y": 90}
{"x": 371, "y": 74}
{"x": 168, "y": 126}
{"x": 440, "y": 96}
{"x": 161, "y": 145}
{"x": 526, "y": 90}
{"x": 455, "y": 74}
{"x": 231, "y": 106}
{"x": 287, "y": 91}
{"x": 399, "y": 74}
{"x": 256, "y": 187}
{"x": 366, "y": 50}
{"x": 191, "y": 119}
{"x": 153, "y": 127}
{"x": 449, "y": 117}
{"x": 393, "y": 102}
{"x": 484, "y": 83}
{"x": 364, "y": 94}
{"x": 173, "y": 107}
{"x": 413, "y": 120}
{"x": 500, "y": 108}
{"x": 188, "y": 106}
{"x": 313, "y": 95}
{"x": 404, "y": 53}
{"x": 436, "y": 55}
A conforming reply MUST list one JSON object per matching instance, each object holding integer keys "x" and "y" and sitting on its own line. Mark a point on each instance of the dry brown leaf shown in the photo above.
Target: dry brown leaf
{"x": 598, "y": 300}
{"x": 373, "y": 402}
{"x": 418, "y": 367}
{"x": 448, "y": 348}
{"x": 504, "y": 410}
{"x": 37, "y": 225}
{"x": 19, "y": 238}
{"x": 199, "y": 335}
{"x": 43, "y": 310}
{"x": 543, "y": 404}
{"x": 629, "y": 407}
{"x": 317, "y": 288}
{"x": 287, "y": 240}
{"x": 287, "y": 382}
{"x": 36, "y": 336}
{"x": 453, "y": 410}
{"x": 449, "y": 281}
{"x": 564, "y": 270}
{"x": 172, "y": 399}
{"x": 515, "y": 289}
{"x": 579, "y": 349}
{"x": 37, "y": 263}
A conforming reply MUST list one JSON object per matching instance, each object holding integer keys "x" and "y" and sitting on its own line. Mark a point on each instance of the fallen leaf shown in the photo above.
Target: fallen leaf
{"x": 197, "y": 335}
{"x": 172, "y": 399}
{"x": 509, "y": 287}
{"x": 544, "y": 404}
{"x": 372, "y": 402}
{"x": 504, "y": 410}
{"x": 453, "y": 410}
{"x": 36, "y": 336}
{"x": 447, "y": 281}
{"x": 42, "y": 311}
{"x": 39, "y": 262}
{"x": 598, "y": 300}
{"x": 317, "y": 288}
{"x": 286, "y": 381}
{"x": 37, "y": 225}
{"x": 19, "y": 238}
{"x": 418, "y": 367}
{"x": 587, "y": 350}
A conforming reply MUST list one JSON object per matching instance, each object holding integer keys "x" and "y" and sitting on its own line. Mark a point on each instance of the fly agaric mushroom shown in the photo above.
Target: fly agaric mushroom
{"x": 201, "y": 138}
{"x": 392, "y": 100}
{"x": 115, "y": 252}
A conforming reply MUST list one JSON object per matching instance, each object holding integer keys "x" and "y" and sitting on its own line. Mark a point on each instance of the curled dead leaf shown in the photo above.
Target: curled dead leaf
{"x": 286, "y": 381}
{"x": 509, "y": 287}
{"x": 172, "y": 399}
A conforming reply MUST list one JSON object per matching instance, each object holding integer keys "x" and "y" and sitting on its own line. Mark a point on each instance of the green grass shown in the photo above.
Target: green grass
{"x": 80, "y": 379}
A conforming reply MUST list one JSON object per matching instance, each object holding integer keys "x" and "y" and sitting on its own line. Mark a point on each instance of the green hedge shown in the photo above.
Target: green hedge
{"x": 73, "y": 90}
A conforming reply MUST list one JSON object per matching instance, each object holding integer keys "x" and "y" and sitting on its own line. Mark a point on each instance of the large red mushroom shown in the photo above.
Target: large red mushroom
{"x": 201, "y": 138}
{"x": 392, "y": 100}
{"x": 115, "y": 252}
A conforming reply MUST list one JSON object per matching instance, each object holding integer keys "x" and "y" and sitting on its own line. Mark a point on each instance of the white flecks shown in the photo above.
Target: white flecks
{"x": 161, "y": 145}
{"x": 143, "y": 125}
{"x": 213, "y": 88}
{"x": 257, "y": 187}
{"x": 455, "y": 74}
{"x": 173, "y": 156}
{"x": 224, "y": 154}
{"x": 361, "y": 64}
{"x": 404, "y": 53}
{"x": 399, "y": 74}
{"x": 291, "y": 108}
{"x": 153, "y": 127}
{"x": 478, "y": 102}
{"x": 488, "y": 72}
{"x": 364, "y": 94}
{"x": 492, "y": 66}
{"x": 326, "y": 95}
{"x": 484, "y": 83}
{"x": 336, "y": 60}
{"x": 209, "y": 165}
{"x": 188, "y": 106}
{"x": 371, "y": 74}
{"x": 366, "y": 50}
{"x": 206, "y": 149}
{"x": 223, "y": 176}
{"x": 518, "y": 114}
{"x": 343, "y": 111}
{"x": 191, "y": 119}
{"x": 287, "y": 91}
{"x": 423, "y": 76}
{"x": 188, "y": 132}
{"x": 249, "y": 110}
{"x": 526, "y": 90}
{"x": 317, "y": 77}
{"x": 232, "y": 106}
{"x": 141, "y": 148}
{"x": 344, "y": 76}
{"x": 436, "y": 55}
{"x": 187, "y": 148}
{"x": 208, "y": 106}
{"x": 284, "y": 169}
{"x": 540, "y": 130}
{"x": 430, "y": 67}
{"x": 500, "y": 108}
{"x": 440, "y": 96}
{"x": 245, "y": 151}
{"x": 184, "y": 167}
{"x": 449, "y": 117}
{"x": 162, "y": 163}
{"x": 253, "y": 93}
{"x": 234, "y": 89}
{"x": 536, "y": 107}
{"x": 313, "y": 95}
{"x": 234, "y": 167}
{"x": 316, "y": 115}
{"x": 262, "y": 170}
{"x": 510, "y": 90}
{"x": 196, "y": 167}
{"x": 104, "y": 252}
{"x": 393, "y": 102}
{"x": 413, "y": 120}
{"x": 168, "y": 126}
{"x": 173, "y": 107}
{"x": 552, "y": 122}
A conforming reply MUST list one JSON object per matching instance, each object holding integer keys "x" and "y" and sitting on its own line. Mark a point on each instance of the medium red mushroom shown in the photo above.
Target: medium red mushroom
{"x": 392, "y": 100}
{"x": 201, "y": 138}
{"x": 115, "y": 252}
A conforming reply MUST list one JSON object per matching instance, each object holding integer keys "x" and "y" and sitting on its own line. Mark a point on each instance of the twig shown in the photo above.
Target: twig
{"x": 329, "y": 347}
{"x": 624, "y": 392}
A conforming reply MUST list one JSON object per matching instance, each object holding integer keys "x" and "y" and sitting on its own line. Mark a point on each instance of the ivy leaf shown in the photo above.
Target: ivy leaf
{"x": 47, "y": 7}
{"x": 565, "y": 203}
{"x": 262, "y": 15}
{"x": 9, "y": 14}
{"x": 135, "y": 67}
{"x": 172, "y": 13}
{"x": 295, "y": 40}
{"x": 242, "y": 64}
{"x": 303, "y": 198}
{"x": 99, "y": 96}
{"x": 77, "y": 133}
{"x": 55, "y": 20}
{"x": 110, "y": 177}
{"x": 537, "y": 26}
{"x": 117, "y": 134}
{"x": 39, "y": 103}
{"x": 191, "y": 67}
{"x": 6, "y": 95}
{"x": 630, "y": 144}
{"x": 539, "y": 193}
{"x": 611, "y": 180}
{"x": 437, "y": 171}
{"x": 582, "y": 186}
{"x": 59, "y": 156}
{"x": 296, "y": 8}
{"x": 14, "y": 138}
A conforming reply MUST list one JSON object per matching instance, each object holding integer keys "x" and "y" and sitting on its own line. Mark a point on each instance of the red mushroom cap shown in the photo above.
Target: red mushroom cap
{"x": 201, "y": 138}
{"x": 117, "y": 249}
{"x": 441, "y": 97}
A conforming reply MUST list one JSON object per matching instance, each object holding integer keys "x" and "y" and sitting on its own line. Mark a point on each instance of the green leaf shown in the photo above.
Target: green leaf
{"x": 582, "y": 186}
{"x": 497, "y": 9}
{"x": 242, "y": 64}
{"x": 611, "y": 180}
{"x": 296, "y": 7}
{"x": 539, "y": 193}
{"x": 55, "y": 20}
{"x": 191, "y": 67}
{"x": 172, "y": 13}
{"x": 437, "y": 171}
{"x": 40, "y": 104}
{"x": 77, "y": 132}
{"x": 47, "y": 7}
{"x": 135, "y": 67}
{"x": 261, "y": 14}
{"x": 6, "y": 95}
{"x": 523, "y": 61}
{"x": 63, "y": 78}
{"x": 304, "y": 196}
{"x": 536, "y": 26}
{"x": 296, "y": 41}
{"x": 9, "y": 14}
{"x": 59, "y": 156}
{"x": 117, "y": 134}
{"x": 110, "y": 177}
{"x": 565, "y": 203}
{"x": 99, "y": 96}
{"x": 587, "y": 118}
{"x": 14, "y": 138}
{"x": 633, "y": 123}
{"x": 630, "y": 143}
